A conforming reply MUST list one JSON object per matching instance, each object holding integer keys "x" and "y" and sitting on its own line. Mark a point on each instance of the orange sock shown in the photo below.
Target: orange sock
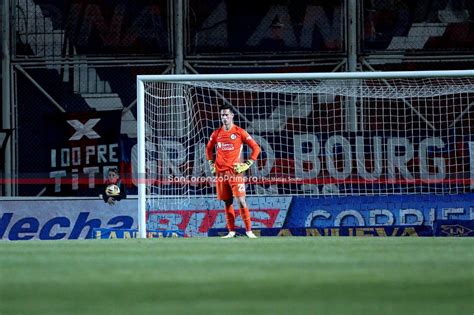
{"x": 245, "y": 214}
{"x": 230, "y": 217}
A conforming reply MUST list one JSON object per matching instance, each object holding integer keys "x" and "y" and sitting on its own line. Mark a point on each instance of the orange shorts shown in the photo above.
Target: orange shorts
{"x": 229, "y": 185}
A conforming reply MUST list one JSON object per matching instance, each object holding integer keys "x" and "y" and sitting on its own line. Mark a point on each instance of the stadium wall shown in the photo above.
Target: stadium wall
{"x": 75, "y": 218}
{"x": 84, "y": 56}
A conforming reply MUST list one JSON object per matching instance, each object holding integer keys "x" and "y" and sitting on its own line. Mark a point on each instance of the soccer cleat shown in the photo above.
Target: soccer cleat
{"x": 250, "y": 234}
{"x": 230, "y": 235}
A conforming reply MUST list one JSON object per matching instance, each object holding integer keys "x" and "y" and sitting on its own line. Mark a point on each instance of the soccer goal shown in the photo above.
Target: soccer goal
{"x": 321, "y": 134}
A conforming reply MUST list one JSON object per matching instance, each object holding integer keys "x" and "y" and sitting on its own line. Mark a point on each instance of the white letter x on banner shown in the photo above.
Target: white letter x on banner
{"x": 84, "y": 129}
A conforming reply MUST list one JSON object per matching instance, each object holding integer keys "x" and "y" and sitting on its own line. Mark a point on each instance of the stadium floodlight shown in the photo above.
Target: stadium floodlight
{"x": 345, "y": 134}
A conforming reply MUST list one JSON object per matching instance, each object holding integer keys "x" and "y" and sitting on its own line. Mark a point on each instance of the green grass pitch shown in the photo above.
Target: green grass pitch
{"x": 273, "y": 275}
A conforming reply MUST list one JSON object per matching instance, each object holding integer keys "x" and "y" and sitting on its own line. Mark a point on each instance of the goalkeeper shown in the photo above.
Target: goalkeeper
{"x": 111, "y": 194}
{"x": 229, "y": 169}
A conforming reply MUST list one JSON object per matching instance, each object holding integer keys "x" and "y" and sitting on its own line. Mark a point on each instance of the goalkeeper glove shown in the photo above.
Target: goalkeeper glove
{"x": 212, "y": 166}
{"x": 242, "y": 167}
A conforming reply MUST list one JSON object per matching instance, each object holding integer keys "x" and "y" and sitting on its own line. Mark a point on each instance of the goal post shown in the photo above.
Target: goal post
{"x": 141, "y": 160}
{"x": 322, "y": 134}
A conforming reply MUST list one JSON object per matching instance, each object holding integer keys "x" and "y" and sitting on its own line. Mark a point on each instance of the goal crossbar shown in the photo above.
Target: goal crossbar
{"x": 307, "y": 76}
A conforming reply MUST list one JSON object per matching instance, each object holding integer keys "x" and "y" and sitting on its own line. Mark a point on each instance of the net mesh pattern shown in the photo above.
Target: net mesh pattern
{"x": 318, "y": 137}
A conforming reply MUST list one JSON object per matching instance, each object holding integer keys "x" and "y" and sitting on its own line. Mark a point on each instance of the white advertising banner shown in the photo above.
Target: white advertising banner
{"x": 59, "y": 218}
{"x": 54, "y": 219}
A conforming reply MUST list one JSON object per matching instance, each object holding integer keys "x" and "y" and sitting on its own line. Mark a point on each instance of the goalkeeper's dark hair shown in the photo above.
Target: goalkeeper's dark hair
{"x": 226, "y": 106}
{"x": 114, "y": 169}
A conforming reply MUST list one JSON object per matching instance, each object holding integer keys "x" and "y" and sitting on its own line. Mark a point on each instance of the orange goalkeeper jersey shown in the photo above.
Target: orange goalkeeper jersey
{"x": 229, "y": 144}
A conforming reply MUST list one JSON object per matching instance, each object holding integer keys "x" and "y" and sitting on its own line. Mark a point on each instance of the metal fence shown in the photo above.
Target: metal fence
{"x": 52, "y": 29}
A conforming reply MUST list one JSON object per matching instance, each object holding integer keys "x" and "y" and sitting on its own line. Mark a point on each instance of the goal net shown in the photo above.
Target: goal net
{"x": 321, "y": 134}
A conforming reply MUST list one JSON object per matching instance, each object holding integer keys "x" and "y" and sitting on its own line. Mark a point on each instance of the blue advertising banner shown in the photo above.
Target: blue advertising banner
{"x": 370, "y": 231}
{"x": 104, "y": 233}
{"x": 458, "y": 228}
{"x": 378, "y": 211}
